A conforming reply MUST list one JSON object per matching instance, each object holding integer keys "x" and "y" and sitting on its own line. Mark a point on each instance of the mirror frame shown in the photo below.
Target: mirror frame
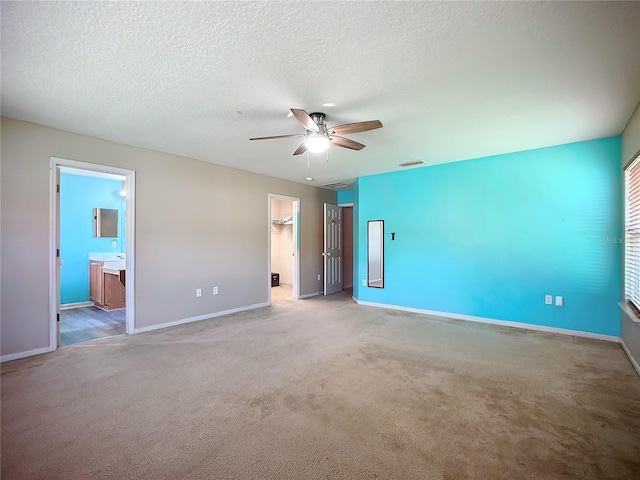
{"x": 105, "y": 222}
{"x": 380, "y": 283}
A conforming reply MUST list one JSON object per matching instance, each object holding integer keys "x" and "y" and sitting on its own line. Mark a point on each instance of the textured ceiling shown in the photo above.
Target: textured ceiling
{"x": 449, "y": 80}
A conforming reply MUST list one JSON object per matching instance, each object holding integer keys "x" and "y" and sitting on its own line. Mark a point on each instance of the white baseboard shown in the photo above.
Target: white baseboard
{"x": 68, "y": 306}
{"x": 198, "y": 318}
{"x": 307, "y": 295}
{"x": 30, "y": 353}
{"x": 505, "y": 323}
{"x": 631, "y": 359}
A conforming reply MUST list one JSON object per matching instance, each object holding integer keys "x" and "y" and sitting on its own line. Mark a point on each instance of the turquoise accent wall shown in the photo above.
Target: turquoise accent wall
{"x": 79, "y": 195}
{"x": 490, "y": 237}
{"x": 345, "y": 196}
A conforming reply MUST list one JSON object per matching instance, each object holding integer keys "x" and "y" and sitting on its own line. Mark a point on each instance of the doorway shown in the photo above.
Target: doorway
{"x": 80, "y": 192}
{"x": 284, "y": 248}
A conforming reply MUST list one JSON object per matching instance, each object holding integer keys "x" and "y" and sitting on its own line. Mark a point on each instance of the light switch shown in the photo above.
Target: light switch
{"x": 559, "y": 301}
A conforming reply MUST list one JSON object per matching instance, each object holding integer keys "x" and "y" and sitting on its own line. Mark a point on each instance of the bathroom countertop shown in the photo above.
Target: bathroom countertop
{"x": 107, "y": 256}
{"x": 112, "y": 260}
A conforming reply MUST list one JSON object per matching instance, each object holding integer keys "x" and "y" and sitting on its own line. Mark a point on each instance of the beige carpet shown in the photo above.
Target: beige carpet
{"x": 324, "y": 389}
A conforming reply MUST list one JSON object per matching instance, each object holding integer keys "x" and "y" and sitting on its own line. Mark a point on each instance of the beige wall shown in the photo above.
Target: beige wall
{"x": 197, "y": 225}
{"x": 630, "y": 330}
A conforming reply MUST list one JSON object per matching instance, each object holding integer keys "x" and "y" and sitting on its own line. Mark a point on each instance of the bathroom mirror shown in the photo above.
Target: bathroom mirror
{"x": 105, "y": 222}
{"x": 375, "y": 253}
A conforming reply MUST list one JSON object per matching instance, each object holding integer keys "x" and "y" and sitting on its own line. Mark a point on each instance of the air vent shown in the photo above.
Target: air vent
{"x": 338, "y": 186}
{"x": 410, "y": 164}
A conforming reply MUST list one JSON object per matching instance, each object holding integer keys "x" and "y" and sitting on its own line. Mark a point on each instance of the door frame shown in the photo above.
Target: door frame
{"x": 54, "y": 233}
{"x": 296, "y": 243}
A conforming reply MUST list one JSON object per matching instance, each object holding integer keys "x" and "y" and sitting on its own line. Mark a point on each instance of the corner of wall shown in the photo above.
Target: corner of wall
{"x": 356, "y": 241}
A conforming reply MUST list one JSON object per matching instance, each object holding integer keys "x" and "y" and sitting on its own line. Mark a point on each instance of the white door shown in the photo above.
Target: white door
{"x": 332, "y": 249}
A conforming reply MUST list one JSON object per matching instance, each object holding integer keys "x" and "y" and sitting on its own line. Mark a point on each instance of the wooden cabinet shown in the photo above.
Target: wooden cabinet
{"x": 96, "y": 291}
{"x": 113, "y": 289}
{"x": 106, "y": 286}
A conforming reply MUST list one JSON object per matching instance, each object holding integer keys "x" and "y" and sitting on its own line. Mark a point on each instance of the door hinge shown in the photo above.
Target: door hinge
{"x": 58, "y": 188}
{"x": 57, "y": 252}
{"x": 57, "y": 317}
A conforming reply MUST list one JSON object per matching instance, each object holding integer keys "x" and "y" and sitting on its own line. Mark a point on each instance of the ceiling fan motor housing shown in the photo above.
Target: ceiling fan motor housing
{"x": 319, "y": 119}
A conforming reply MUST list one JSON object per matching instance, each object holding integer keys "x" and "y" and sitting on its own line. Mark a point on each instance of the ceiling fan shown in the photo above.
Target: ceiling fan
{"x": 319, "y": 136}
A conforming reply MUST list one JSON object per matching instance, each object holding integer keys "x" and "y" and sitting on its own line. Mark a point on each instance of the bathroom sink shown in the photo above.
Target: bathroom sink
{"x": 115, "y": 265}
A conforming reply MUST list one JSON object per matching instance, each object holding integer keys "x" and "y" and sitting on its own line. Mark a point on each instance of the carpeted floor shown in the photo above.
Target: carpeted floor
{"x": 324, "y": 389}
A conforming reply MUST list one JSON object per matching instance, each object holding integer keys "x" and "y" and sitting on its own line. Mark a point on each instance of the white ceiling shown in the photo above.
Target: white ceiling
{"x": 448, "y": 80}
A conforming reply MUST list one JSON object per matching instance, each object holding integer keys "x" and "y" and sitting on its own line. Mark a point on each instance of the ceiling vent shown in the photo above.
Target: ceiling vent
{"x": 410, "y": 164}
{"x": 338, "y": 186}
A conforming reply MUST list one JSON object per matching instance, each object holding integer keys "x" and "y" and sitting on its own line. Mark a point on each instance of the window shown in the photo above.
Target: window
{"x": 632, "y": 233}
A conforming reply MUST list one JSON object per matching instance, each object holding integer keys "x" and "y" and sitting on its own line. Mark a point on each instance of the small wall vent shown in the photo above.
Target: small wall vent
{"x": 410, "y": 164}
{"x": 337, "y": 186}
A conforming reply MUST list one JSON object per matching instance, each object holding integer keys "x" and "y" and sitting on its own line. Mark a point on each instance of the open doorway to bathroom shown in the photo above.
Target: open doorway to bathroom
{"x": 92, "y": 260}
{"x": 283, "y": 248}
{"x": 91, "y": 225}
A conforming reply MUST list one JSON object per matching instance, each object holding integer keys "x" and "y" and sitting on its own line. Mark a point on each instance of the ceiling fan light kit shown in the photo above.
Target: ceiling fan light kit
{"x": 317, "y": 143}
{"x": 319, "y": 136}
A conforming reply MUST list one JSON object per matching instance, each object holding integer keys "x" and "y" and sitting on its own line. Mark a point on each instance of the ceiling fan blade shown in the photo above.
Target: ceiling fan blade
{"x": 346, "y": 143}
{"x": 356, "y": 127}
{"x": 278, "y": 136}
{"x": 301, "y": 149}
{"x": 305, "y": 120}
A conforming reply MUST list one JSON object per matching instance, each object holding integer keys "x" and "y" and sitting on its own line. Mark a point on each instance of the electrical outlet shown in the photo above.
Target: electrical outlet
{"x": 559, "y": 301}
{"x": 318, "y": 276}
{"x": 198, "y": 292}
{"x": 215, "y": 290}
{"x": 364, "y": 282}
{"x": 548, "y": 299}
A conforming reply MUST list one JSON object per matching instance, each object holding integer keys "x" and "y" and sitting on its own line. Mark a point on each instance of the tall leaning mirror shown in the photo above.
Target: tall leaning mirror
{"x": 375, "y": 253}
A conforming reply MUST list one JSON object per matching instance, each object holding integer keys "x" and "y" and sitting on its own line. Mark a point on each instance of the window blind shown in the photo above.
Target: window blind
{"x": 632, "y": 233}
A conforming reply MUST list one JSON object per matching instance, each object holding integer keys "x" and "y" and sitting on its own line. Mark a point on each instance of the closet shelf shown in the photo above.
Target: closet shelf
{"x": 283, "y": 221}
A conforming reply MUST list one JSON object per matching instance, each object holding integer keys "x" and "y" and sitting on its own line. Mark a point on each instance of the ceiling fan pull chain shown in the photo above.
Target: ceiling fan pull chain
{"x": 308, "y": 154}
{"x": 326, "y": 157}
